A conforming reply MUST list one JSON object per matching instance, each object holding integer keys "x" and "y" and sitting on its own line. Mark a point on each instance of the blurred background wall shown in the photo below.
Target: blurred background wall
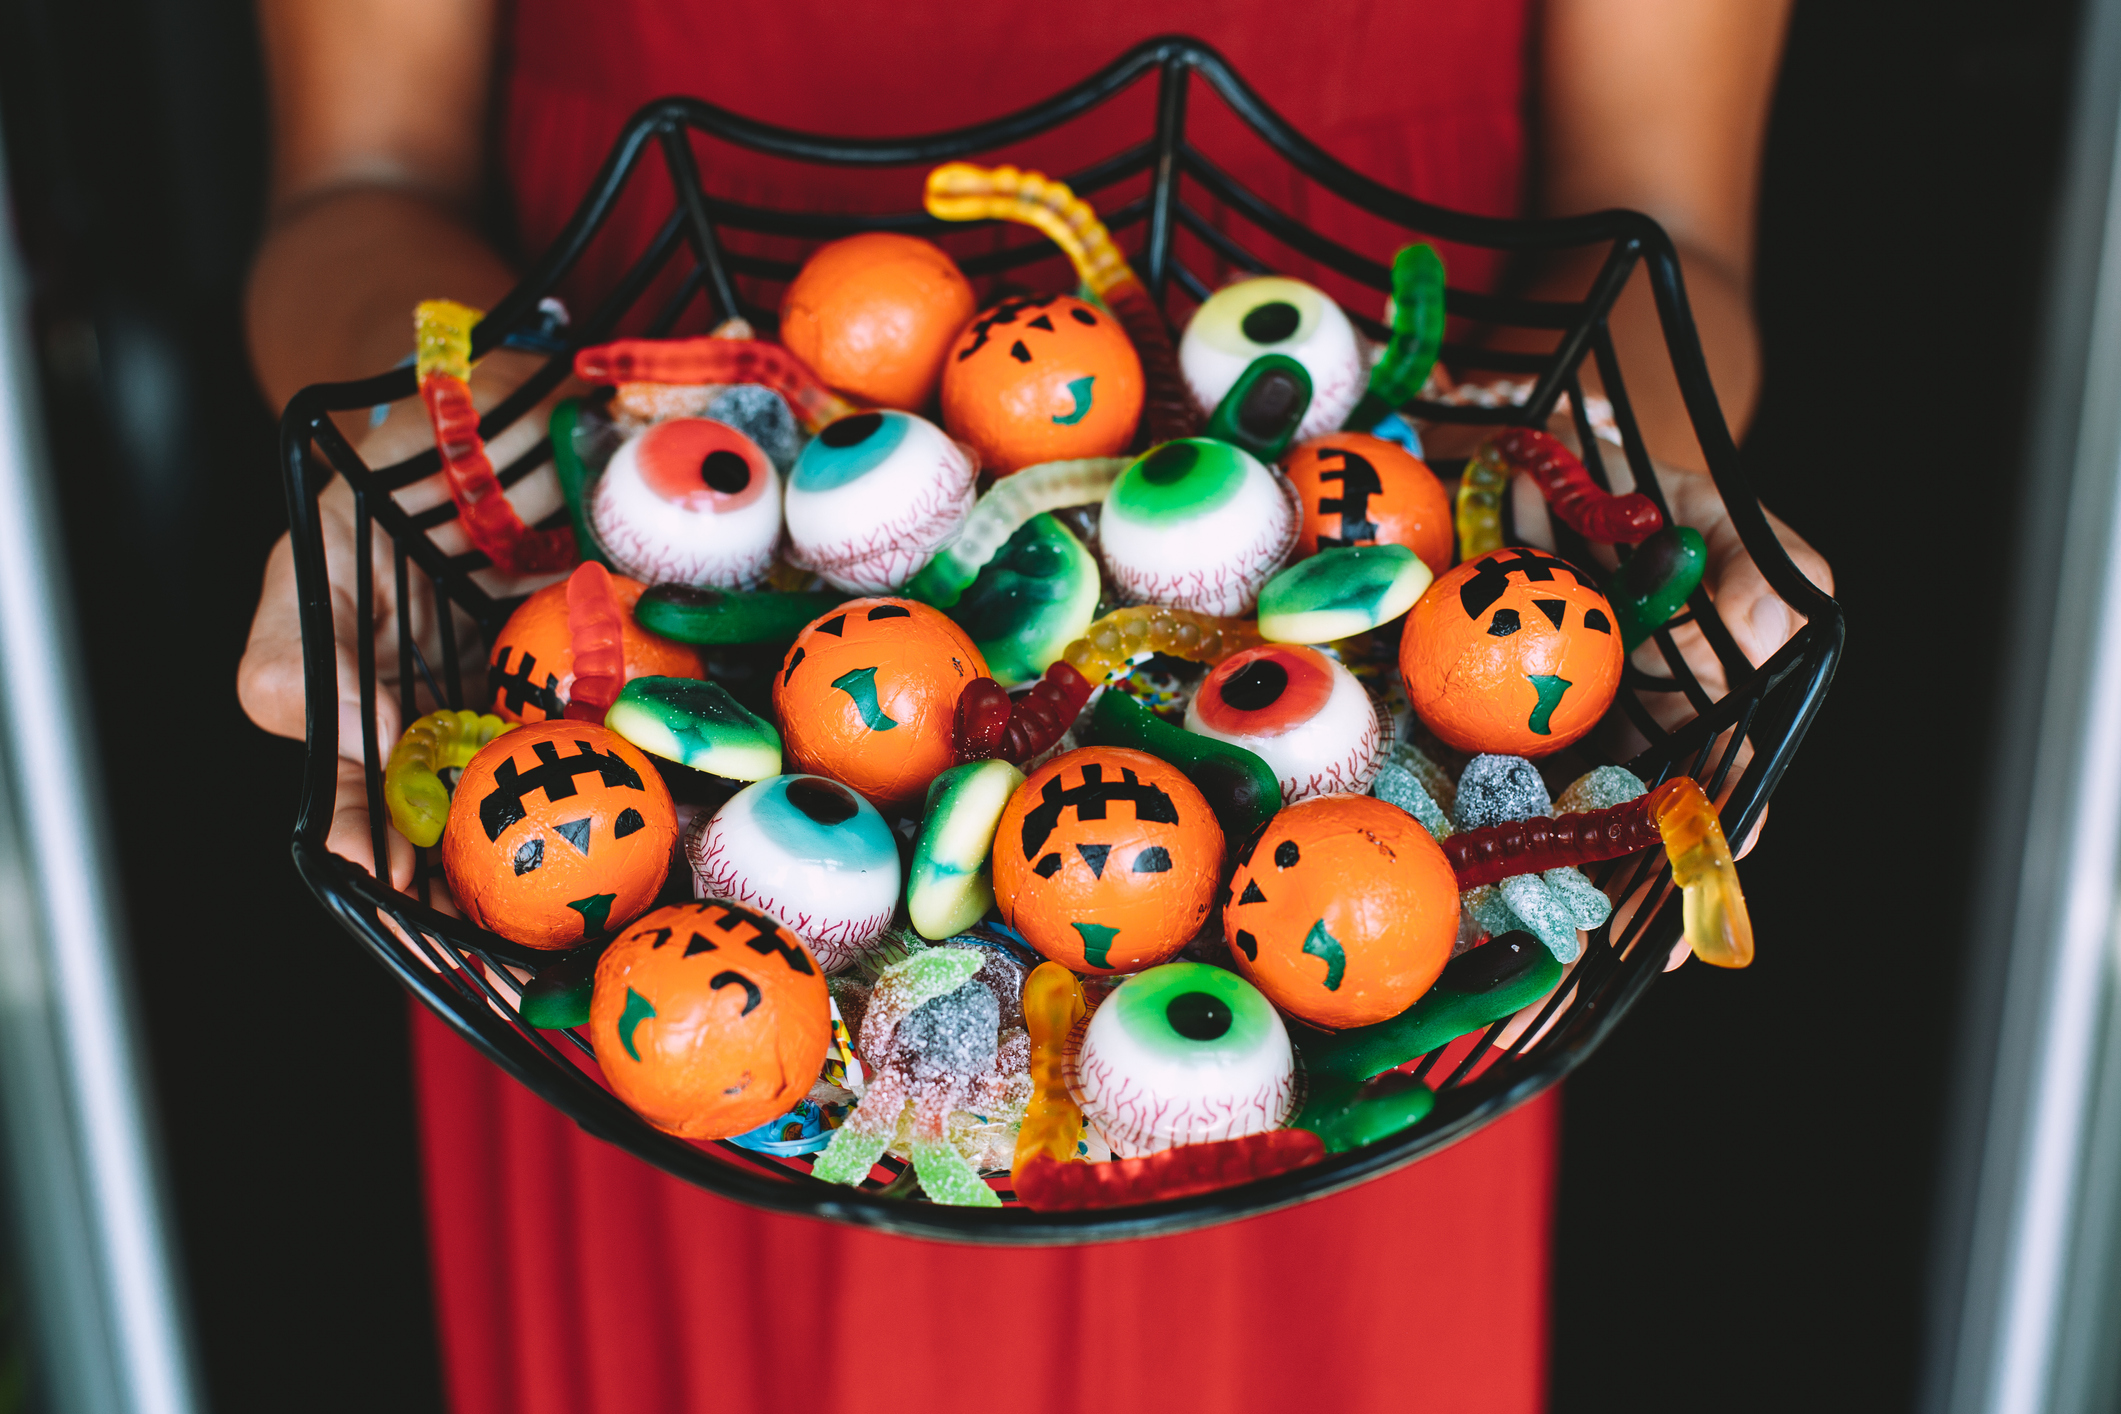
{"x": 1749, "y": 1166}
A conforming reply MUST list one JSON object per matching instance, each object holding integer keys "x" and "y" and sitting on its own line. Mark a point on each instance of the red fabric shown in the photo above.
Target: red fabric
{"x": 574, "y": 1279}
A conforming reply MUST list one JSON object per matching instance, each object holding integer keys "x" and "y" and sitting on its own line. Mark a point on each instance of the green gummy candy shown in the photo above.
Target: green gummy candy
{"x": 1341, "y": 592}
{"x": 573, "y": 477}
{"x": 1264, "y": 407}
{"x": 1417, "y": 336}
{"x": 1600, "y": 788}
{"x": 850, "y": 1154}
{"x": 951, "y": 885}
{"x": 1549, "y": 915}
{"x": 947, "y": 1178}
{"x": 1242, "y": 789}
{"x": 1656, "y": 580}
{"x": 696, "y": 724}
{"x": 728, "y": 616}
{"x": 1477, "y": 989}
{"x": 1348, "y": 1114}
{"x": 558, "y": 997}
{"x": 1027, "y": 604}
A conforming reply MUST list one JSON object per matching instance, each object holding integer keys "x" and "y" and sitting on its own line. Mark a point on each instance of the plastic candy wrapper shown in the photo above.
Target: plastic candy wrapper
{"x": 442, "y": 359}
{"x": 413, "y": 792}
{"x": 959, "y": 191}
{"x": 1183, "y": 1172}
{"x": 1417, "y": 319}
{"x": 713, "y": 360}
{"x": 1002, "y": 512}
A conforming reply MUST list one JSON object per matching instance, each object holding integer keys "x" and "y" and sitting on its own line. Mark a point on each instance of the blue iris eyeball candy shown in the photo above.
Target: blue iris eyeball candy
{"x": 690, "y": 501}
{"x": 1197, "y": 524}
{"x": 810, "y": 853}
{"x": 1274, "y": 314}
{"x": 874, "y": 496}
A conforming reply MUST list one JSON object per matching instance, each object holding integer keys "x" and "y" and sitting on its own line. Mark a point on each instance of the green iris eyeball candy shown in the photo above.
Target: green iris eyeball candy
{"x": 696, "y": 724}
{"x": 952, "y": 883}
{"x": 1339, "y": 593}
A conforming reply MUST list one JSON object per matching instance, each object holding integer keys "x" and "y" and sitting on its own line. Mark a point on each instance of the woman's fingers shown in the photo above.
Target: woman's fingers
{"x": 350, "y": 837}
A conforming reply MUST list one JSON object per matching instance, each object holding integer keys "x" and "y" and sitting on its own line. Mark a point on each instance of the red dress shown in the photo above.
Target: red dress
{"x": 572, "y": 1278}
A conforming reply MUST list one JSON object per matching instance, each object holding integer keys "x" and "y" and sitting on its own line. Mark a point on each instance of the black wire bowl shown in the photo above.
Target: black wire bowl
{"x": 459, "y": 970}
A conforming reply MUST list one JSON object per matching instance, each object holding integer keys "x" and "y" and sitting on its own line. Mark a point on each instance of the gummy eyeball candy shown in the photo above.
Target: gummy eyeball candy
{"x": 1042, "y": 378}
{"x": 709, "y": 1019}
{"x": 868, "y": 695}
{"x": 1107, "y": 860}
{"x": 873, "y": 316}
{"x": 873, "y": 497}
{"x": 1343, "y": 912}
{"x": 1514, "y": 652}
{"x": 1034, "y": 598}
{"x": 1274, "y": 314}
{"x": 690, "y": 500}
{"x": 530, "y": 674}
{"x": 1302, "y": 713}
{"x": 1196, "y": 524}
{"x": 557, "y": 832}
{"x": 1184, "y": 1054}
{"x": 1362, "y": 490}
{"x": 807, "y": 852}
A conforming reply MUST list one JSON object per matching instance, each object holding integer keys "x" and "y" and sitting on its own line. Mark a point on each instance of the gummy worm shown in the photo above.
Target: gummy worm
{"x": 1577, "y": 501}
{"x": 598, "y": 637}
{"x": 1417, "y": 337}
{"x": 1646, "y": 591}
{"x": 413, "y": 792}
{"x": 1183, "y": 1172}
{"x": 981, "y": 724}
{"x": 711, "y": 360}
{"x": 1041, "y": 716}
{"x": 573, "y": 477}
{"x": 1533, "y": 846}
{"x": 1479, "y": 511}
{"x": 1053, "y": 1008}
{"x": 442, "y": 361}
{"x": 1002, "y": 512}
{"x": 959, "y": 191}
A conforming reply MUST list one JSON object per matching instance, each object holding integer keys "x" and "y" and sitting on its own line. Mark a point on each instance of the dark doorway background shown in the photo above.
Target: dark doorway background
{"x": 1748, "y": 1166}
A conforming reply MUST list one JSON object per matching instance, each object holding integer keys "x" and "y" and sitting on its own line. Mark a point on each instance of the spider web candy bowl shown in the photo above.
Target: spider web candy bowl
{"x": 1185, "y": 219}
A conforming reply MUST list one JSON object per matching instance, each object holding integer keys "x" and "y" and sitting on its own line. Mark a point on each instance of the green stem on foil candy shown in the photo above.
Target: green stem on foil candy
{"x": 1417, "y": 337}
{"x": 574, "y": 480}
{"x": 1049, "y": 486}
{"x": 1264, "y": 407}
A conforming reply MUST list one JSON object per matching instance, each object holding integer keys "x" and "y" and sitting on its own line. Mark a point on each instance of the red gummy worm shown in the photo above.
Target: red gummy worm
{"x": 983, "y": 712}
{"x": 1167, "y": 408}
{"x": 599, "y": 641}
{"x": 1583, "y": 506}
{"x": 482, "y": 506}
{"x": 1040, "y": 716}
{"x": 1497, "y": 852}
{"x": 710, "y": 360}
{"x": 1050, "y": 1186}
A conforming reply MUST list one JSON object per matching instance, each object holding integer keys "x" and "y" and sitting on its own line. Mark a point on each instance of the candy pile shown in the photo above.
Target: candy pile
{"x": 998, "y": 738}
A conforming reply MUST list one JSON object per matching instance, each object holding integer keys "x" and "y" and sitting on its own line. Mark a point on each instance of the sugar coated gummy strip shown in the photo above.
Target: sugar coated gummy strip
{"x": 1417, "y": 318}
{"x": 1053, "y": 1007}
{"x": 731, "y": 617}
{"x": 696, "y": 724}
{"x": 1340, "y": 592}
{"x": 1718, "y": 928}
{"x": 1183, "y": 1172}
{"x": 598, "y": 636}
{"x": 413, "y": 792}
{"x": 960, "y": 191}
{"x": 1002, "y": 512}
{"x": 715, "y": 360}
{"x": 1264, "y": 407}
{"x": 1575, "y": 499}
{"x": 442, "y": 362}
{"x": 951, "y": 884}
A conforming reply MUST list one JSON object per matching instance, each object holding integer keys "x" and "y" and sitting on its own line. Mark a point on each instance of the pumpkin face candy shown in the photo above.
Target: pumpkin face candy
{"x": 530, "y": 672}
{"x": 873, "y": 315}
{"x": 556, "y": 833}
{"x": 1042, "y": 378}
{"x": 1514, "y": 653}
{"x": 709, "y": 1019}
{"x": 1362, "y": 490}
{"x": 1343, "y": 912}
{"x": 868, "y": 696}
{"x": 1107, "y": 860}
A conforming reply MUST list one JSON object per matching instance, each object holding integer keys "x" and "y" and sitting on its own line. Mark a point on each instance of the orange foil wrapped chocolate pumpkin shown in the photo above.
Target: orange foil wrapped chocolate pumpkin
{"x": 1042, "y": 378}
{"x": 873, "y": 316}
{"x": 709, "y": 1019}
{"x": 1362, "y": 490}
{"x": 1513, "y": 653}
{"x": 530, "y": 672}
{"x": 868, "y": 696}
{"x": 1107, "y": 860}
{"x": 1344, "y": 911}
{"x": 557, "y": 833}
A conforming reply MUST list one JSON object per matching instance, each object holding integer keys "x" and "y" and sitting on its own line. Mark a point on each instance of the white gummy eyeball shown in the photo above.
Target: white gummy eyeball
{"x": 690, "y": 501}
{"x": 1274, "y": 314}
{"x": 874, "y": 496}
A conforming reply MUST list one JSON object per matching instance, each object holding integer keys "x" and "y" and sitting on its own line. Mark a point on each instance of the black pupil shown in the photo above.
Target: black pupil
{"x": 849, "y": 431}
{"x": 1259, "y": 683}
{"x": 822, "y": 801}
{"x": 725, "y": 471}
{"x": 1267, "y": 410}
{"x": 1198, "y": 1016}
{"x": 1272, "y": 322}
{"x": 1170, "y": 463}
